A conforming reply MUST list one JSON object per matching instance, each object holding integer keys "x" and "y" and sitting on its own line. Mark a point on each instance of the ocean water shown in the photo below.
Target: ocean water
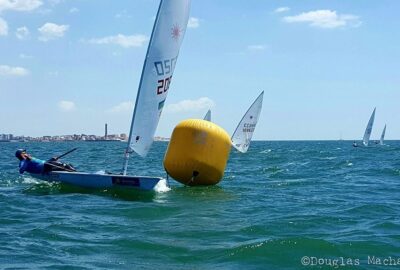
{"x": 282, "y": 205}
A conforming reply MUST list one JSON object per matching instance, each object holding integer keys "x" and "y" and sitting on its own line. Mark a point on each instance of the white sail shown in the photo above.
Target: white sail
{"x": 368, "y": 130}
{"x": 207, "y": 117}
{"x": 162, "y": 54}
{"x": 241, "y": 138}
{"x": 383, "y": 135}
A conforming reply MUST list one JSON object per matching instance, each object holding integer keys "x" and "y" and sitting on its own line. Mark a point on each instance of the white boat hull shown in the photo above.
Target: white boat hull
{"x": 88, "y": 180}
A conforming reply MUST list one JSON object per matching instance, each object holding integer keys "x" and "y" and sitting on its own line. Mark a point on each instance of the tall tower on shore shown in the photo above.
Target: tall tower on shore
{"x": 105, "y": 132}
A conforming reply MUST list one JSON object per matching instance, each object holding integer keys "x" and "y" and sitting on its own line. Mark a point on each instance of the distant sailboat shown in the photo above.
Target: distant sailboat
{"x": 207, "y": 117}
{"x": 383, "y": 136}
{"x": 368, "y": 130}
{"x": 241, "y": 138}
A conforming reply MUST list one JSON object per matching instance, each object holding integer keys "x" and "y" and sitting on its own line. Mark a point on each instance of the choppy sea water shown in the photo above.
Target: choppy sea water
{"x": 280, "y": 206}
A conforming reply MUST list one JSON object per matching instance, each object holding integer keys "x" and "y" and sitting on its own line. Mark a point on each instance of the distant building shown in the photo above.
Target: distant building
{"x": 46, "y": 138}
{"x": 105, "y": 131}
{"x": 6, "y": 137}
{"x": 61, "y": 138}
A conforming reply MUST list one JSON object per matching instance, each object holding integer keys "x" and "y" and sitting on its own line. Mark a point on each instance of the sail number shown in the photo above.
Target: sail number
{"x": 163, "y": 68}
{"x": 163, "y": 85}
{"x": 249, "y": 127}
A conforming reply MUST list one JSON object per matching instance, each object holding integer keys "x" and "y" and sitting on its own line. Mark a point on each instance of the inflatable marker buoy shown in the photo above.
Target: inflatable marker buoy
{"x": 197, "y": 153}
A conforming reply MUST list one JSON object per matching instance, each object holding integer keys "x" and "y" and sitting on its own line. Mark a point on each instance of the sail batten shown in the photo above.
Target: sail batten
{"x": 241, "y": 138}
{"x": 368, "y": 129}
{"x": 157, "y": 73}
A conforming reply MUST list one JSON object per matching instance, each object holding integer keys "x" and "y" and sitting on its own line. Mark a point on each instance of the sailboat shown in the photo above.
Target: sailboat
{"x": 241, "y": 138}
{"x": 368, "y": 129}
{"x": 383, "y": 136}
{"x": 162, "y": 53}
{"x": 207, "y": 117}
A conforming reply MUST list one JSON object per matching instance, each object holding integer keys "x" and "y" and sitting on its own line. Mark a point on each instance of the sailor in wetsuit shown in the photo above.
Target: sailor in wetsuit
{"x": 33, "y": 165}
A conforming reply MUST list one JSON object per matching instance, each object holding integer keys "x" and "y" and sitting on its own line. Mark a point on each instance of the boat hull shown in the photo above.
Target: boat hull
{"x": 88, "y": 180}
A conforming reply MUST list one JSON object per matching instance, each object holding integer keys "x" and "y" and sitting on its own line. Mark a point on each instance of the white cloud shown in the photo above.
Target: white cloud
{"x": 281, "y": 9}
{"x": 3, "y": 27}
{"x": 13, "y": 71}
{"x": 25, "y": 56}
{"x": 66, "y": 106}
{"x": 74, "y": 10}
{"x": 126, "y": 106}
{"x": 193, "y": 22}
{"x": 51, "y": 31}
{"x": 22, "y": 33}
{"x": 122, "y": 40}
{"x": 20, "y": 5}
{"x": 325, "y": 19}
{"x": 188, "y": 105}
{"x": 256, "y": 47}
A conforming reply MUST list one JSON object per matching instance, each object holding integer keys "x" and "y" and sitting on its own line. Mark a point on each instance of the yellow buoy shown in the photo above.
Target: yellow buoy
{"x": 197, "y": 153}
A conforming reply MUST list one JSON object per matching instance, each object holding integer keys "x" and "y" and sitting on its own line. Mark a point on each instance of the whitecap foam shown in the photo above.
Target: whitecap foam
{"x": 100, "y": 172}
{"x": 162, "y": 186}
{"x": 31, "y": 180}
{"x": 304, "y": 163}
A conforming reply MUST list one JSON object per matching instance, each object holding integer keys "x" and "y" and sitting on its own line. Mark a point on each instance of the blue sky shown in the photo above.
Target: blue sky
{"x": 70, "y": 66}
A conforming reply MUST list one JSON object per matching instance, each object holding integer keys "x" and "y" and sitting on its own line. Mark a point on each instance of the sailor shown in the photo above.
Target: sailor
{"x": 355, "y": 144}
{"x": 33, "y": 165}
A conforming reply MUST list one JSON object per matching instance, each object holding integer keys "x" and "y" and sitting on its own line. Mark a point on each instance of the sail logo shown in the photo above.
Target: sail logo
{"x": 176, "y": 32}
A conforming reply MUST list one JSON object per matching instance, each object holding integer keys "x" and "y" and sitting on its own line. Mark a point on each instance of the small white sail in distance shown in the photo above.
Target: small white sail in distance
{"x": 207, "y": 117}
{"x": 241, "y": 138}
{"x": 162, "y": 53}
{"x": 383, "y": 135}
{"x": 368, "y": 130}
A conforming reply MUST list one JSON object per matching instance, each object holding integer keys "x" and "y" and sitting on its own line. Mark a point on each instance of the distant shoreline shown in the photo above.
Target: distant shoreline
{"x": 71, "y": 138}
{"x": 99, "y": 140}
{"x": 167, "y": 140}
